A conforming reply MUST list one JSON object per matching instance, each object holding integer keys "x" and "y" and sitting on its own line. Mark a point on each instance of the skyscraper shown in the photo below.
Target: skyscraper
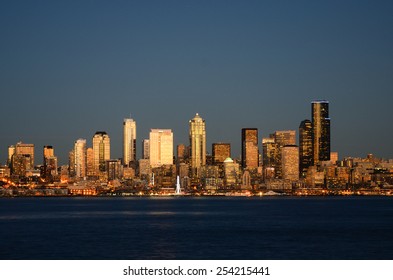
{"x": 80, "y": 158}
{"x": 161, "y": 147}
{"x": 197, "y": 134}
{"x": 320, "y": 131}
{"x": 250, "y": 152}
{"x": 145, "y": 149}
{"x": 282, "y": 138}
{"x": 129, "y": 141}
{"x": 220, "y": 152}
{"x": 25, "y": 149}
{"x": 290, "y": 162}
{"x": 305, "y": 147}
{"x": 101, "y": 150}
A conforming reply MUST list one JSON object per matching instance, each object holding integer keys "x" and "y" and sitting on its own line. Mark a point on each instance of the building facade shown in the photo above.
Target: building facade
{"x": 305, "y": 147}
{"x": 320, "y": 131}
{"x": 80, "y": 158}
{"x": 197, "y": 134}
{"x": 101, "y": 150}
{"x": 161, "y": 147}
{"x": 250, "y": 152}
{"x": 129, "y": 141}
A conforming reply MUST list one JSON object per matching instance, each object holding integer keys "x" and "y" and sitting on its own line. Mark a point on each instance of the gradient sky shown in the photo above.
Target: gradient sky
{"x": 71, "y": 68}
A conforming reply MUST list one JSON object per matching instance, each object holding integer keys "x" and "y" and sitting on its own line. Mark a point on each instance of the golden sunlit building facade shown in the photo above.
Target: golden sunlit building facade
{"x": 197, "y": 135}
{"x": 161, "y": 147}
{"x": 101, "y": 151}
{"x": 129, "y": 141}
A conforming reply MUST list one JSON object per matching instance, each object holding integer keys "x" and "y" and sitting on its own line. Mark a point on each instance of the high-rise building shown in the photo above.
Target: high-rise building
{"x": 48, "y": 152}
{"x": 250, "y": 152}
{"x": 197, "y": 134}
{"x": 161, "y": 147}
{"x": 50, "y": 162}
{"x": 321, "y": 131}
{"x": 305, "y": 147}
{"x": 90, "y": 162}
{"x": 80, "y": 158}
{"x": 290, "y": 162}
{"x": 220, "y": 152}
{"x": 101, "y": 150}
{"x": 25, "y": 149}
{"x": 282, "y": 138}
{"x": 269, "y": 155}
{"x": 129, "y": 141}
{"x": 145, "y": 149}
{"x": 181, "y": 152}
{"x": 11, "y": 152}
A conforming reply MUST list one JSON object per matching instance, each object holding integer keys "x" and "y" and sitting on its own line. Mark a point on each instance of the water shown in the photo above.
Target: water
{"x": 197, "y": 228}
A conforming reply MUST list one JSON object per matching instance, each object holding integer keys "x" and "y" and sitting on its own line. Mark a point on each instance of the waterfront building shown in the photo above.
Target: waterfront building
{"x": 197, "y": 135}
{"x": 129, "y": 141}
{"x": 250, "y": 153}
{"x": 320, "y": 131}
{"x": 161, "y": 147}
{"x": 101, "y": 151}
{"x": 305, "y": 147}
{"x": 79, "y": 153}
{"x": 290, "y": 162}
{"x": 220, "y": 152}
{"x": 145, "y": 149}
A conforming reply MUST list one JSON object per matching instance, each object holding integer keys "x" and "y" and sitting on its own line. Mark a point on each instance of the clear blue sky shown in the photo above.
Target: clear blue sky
{"x": 70, "y": 68}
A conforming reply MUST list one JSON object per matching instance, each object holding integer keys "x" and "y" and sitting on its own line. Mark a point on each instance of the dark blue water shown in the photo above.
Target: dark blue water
{"x": 197, "y": 228}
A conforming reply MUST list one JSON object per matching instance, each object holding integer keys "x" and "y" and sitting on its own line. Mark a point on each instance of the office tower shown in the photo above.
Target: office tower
{"x": 320, "y": 131}
{"x": 80, "y": 158}
{"x": 282, "y": 138}
{"x": 220, "y": 152}
{"x": 129, "y": 141}
{"x": 161, "y": 147}
{"x": 181, "y": 152}
{"x": 101, "y": 150}
{"x": 48, "y": 152}
{"x": 197, "y": 134}
{"x": 71, "y": 163}
{"x": 11, "y": 152}
{"x": 25, "y": 149}
{"x": 334, "y": 157}
{"x": 90, "y": 162}
{"x": 145, "y": 149}
{"x": 50, "y": 162}
{"x": 305, "y": 147}
{"x": 290, "y": 162}
{"x": 269, "y": 155}
{"x": 114, "y": 169}
{"x": 231, "y": 172}
{"x": 285, "y": 137}
{"x": 250, "y": 152}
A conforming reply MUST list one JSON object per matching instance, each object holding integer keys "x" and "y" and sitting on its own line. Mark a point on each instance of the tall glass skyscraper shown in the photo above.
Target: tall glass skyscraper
{"x": 250, "y": 152}
{"x": 129, "y": 141}
{"x": 320, "y": 131}
{"x": 197, "y": 136}
{"x": 305, "y": 147}
{"x": 80, "y": 158}
{"x": 101, "y": 150}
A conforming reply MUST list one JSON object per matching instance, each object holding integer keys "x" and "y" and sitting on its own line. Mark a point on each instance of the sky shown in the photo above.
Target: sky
{"x": 71, "y": 68}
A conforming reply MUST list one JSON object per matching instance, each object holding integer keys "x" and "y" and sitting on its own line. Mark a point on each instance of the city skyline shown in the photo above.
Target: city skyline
{"x": 71, "y": 69}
